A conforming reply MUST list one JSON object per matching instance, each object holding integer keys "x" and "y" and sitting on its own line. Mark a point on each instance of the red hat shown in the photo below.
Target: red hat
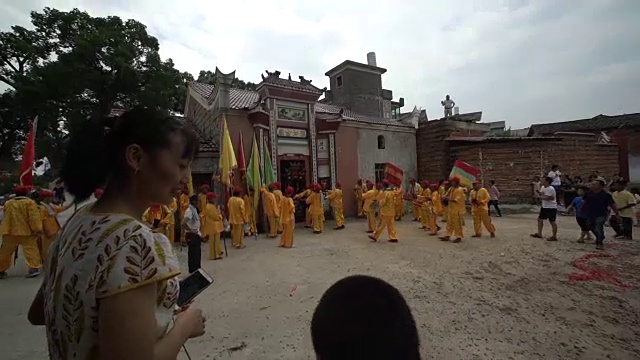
{"x": 360, "y": 181}
{"x": 369, "y": 185}
{"x": 205, "y": 187}
{"x": 378, "y": 186}
{"x": 237, "y": 190}
{"x": 425, "y": 183}
{"x": 21, "y": 190}
{"x": 290, "y": 190}
{"x": 445, "y": 182}
{"x": 272, "y": 186}
{"x": 338, "y": 185}
{"x": 45, "y": 193}
{"x": 385, "y": 182}
{"x": 435, "y": 186}
{"x": 368, "y": 181}
{"x": 155, "y": 206}
{"x": 211, "y": 195}
{"x": 477, "y": 182}
{"x": 98, "y": 193}
{"x": 317, "y": 187}
{"x": 277, "y": 185}
{"x": 455, "y": 179}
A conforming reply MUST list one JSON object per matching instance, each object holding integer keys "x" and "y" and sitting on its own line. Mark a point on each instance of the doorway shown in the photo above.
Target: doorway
{"x": 294, "y": 172}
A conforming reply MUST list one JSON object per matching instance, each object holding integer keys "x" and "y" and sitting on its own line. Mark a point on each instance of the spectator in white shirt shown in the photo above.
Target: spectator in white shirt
{"x": 448, "y": 106}
{"x": 494, "y": 194}
{"x": 548, "y": 211}
{"x": 556, "y": 179}
{"x": 191, "y": 226}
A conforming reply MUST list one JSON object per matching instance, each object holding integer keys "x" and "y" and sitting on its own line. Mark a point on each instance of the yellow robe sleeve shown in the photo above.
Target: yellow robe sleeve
{"x": 35, "y": 220}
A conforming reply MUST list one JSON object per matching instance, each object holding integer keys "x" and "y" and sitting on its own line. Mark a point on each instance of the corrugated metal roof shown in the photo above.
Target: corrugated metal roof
{"x": 597, "y": 123}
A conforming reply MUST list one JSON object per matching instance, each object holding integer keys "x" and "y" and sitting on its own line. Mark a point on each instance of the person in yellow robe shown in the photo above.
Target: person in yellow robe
{"x": 303, "y": 197}
{"x": 369, "y": 198}
{"x": 277, "y": 193}
{"x": 183, "y": 202}
{"x": 159, "y": 217}
{"x": 480, "y": 197}
{"x": 287, "y": 218}
{"x": 50, "y": 225}
{"x": 237, "y": 218}
{"x": 271, "y": 210}
{"x": 250, "y": 208}
{"x": 399, "y": 203}
{"x": 335, "y": 197}
{"x": 376, "y": 204}
{"x": 455, "y": 202}
{"x": 443, "y": 190}
{"x": 316, "y": 210}
{"x": 21, "y": 226}
{"x": 424, "y": 202}
{"x": 437, "y": 199}
{"x": 358, "y": 190}
{"x": 412, "y": 194}
{"x": 171, "y": 229}
{"x": 202, "y": 203}
{"x": 213, "y": 226}
{"x": 387, "y": 215}
{"x": 436, "y": 206}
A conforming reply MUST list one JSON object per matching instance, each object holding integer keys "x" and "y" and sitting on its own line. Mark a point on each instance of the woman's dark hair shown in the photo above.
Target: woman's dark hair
{"x": 362, "y": 317}
{"x": 95, "y": 152}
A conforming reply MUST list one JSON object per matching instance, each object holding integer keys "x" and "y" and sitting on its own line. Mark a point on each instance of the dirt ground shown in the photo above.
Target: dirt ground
{"x": 503, "y": 298}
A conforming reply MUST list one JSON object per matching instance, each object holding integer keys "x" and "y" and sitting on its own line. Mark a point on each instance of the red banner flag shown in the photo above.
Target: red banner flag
{"x": 393, "y": 174}
{"x": 242, "y": 165}
{"x": 29, "y": 156}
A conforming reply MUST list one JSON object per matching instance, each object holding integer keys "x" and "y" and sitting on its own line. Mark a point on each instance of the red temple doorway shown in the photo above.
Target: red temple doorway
{"x": 294, "y": 172}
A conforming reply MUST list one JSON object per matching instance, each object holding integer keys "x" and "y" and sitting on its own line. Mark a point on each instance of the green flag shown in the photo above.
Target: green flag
{"x": 253, "y": 172}
{"x": 269, "y": 174}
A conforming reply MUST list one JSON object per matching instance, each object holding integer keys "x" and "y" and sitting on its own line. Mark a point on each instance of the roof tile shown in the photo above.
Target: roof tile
{"x": 597, "y": 123}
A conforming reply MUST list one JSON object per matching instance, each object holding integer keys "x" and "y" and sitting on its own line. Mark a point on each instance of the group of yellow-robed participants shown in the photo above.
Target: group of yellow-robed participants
{"x": 429, "y": 202}
{"x": 29, "y": 225}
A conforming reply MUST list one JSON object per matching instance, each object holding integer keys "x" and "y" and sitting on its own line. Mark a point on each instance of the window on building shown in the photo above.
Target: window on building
{"x": 339, "y": 81}
{"x": 381, "y": 144}
{"x": 379, "y": 172}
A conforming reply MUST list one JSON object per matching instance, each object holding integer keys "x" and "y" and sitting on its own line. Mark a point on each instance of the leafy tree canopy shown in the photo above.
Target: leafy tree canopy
{"x": 71, "y": 66}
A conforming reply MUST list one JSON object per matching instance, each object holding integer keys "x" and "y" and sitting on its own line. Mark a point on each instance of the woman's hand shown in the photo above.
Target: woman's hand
{"x": 192, "y": 321}
{"x": 184, "y": 307}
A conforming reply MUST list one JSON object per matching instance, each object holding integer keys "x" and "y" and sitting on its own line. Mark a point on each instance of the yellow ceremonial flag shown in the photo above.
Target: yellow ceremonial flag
{"x": 227, "y": 155}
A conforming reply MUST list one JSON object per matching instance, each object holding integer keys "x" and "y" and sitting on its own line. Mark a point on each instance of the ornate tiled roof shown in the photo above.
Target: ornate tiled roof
{"x": 352, "y": 116}
{"x": 248, "y": 99}
{"x": 598, "y": 123}
{"x": 274, "y": 79}
{"x": 238, "y": 98}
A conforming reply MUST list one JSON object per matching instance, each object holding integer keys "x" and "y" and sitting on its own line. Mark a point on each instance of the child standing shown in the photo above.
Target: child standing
{"x": 581, "y": 217}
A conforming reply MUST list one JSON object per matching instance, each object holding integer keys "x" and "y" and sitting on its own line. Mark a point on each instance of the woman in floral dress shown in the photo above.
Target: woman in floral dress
{"x": 111, "y": 285}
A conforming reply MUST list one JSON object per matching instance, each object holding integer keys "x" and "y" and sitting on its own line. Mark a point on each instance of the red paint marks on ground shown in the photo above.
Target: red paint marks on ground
{"x": 591, "y": 273}
{"x": 293, "y": 290}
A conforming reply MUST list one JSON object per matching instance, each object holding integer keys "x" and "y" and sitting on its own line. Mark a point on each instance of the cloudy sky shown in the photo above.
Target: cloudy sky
{"x": 523, "y": 61}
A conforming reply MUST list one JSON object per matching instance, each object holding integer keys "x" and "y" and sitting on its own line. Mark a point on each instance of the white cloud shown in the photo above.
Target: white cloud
{"x": 517, "y": 60}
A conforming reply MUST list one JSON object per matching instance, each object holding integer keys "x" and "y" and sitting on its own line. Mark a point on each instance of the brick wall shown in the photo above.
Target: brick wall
{"x": 434, "y": 161}
{"x": 512, "y": 163}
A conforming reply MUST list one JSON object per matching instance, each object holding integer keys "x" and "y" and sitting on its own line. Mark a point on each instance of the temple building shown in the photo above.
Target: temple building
{"x": 340, "y": 134}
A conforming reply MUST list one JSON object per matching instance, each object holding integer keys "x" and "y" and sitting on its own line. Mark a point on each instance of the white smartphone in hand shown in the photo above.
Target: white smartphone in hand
{"x": 192, "y": 286}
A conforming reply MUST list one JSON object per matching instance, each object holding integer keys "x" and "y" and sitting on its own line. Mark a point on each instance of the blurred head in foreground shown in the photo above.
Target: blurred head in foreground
{"x": 362, "y": 317}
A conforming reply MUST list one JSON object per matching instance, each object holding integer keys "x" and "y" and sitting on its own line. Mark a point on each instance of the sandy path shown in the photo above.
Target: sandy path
{"x": 502, "y": 298}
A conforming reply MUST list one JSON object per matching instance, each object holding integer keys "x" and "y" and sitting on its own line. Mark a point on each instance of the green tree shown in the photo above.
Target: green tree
{"x": 73, "y": 66}
{"x": 209, "y": 77}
